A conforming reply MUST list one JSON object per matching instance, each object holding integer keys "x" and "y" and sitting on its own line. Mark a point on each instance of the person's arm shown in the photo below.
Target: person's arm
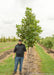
{"x": 14, "y": 52}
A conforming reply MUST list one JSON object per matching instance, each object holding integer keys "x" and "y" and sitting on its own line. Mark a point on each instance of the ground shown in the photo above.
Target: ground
{"x": 31, "y": 65}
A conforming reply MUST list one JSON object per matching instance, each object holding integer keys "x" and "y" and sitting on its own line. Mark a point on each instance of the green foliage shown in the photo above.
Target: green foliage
{"x": 48, "y": 42}
{"x": 29, "y": 28}
{"x": 1, "y": 40}
{"x": 9, "y": 39}
{"x": 14, "y": 39}
{"x": 4, "y": 39}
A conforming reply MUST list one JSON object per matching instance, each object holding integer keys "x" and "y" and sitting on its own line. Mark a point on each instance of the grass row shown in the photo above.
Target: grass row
{"x": 6, "y": 44}
{"x": 9, "y": 46}
{"x": 7, "y": 67}
{"x": 47, "y": 64}
{"x": 2, "y": 50}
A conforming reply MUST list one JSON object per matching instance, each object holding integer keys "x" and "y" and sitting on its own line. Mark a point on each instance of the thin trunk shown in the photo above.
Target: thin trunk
{"x": 28, "y": 49}
{"x": 28, "y": 61}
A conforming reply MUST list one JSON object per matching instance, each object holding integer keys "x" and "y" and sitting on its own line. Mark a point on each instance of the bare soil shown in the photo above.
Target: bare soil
{"x": 5, "y": 54}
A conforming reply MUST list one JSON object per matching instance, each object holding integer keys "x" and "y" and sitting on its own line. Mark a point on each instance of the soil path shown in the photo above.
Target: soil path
{"x": 31, "y": 65}
{"x": 5, "y": 55}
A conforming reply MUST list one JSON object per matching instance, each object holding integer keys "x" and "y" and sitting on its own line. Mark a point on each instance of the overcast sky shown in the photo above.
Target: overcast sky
{"x": 12, "y": 11}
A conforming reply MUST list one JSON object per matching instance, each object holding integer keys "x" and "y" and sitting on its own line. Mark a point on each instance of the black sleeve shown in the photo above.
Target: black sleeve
{"x": 14, "y": 49}
{"x": 24, "y": 48}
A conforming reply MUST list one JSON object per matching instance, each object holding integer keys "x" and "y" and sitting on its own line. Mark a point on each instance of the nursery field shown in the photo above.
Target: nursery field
{"x": 5, "y": 50}
{"x": 47, "y": 64}
{"x": 6, "y": 46}
{"x": 42, "y": 62}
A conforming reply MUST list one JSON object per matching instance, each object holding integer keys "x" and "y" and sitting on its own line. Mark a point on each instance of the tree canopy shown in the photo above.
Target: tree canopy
{"x": 29, "y": 28}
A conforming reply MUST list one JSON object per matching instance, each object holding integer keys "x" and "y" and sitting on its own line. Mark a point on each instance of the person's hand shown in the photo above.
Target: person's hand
{"x": 13, "y": 57}
{"x": 25, "y": 56}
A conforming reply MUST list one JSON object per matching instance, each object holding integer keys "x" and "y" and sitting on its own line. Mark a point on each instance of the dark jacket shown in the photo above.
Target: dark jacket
{"x": 19, "y": 50}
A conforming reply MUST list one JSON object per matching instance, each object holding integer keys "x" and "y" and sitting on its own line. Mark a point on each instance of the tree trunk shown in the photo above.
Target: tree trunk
{"x": 28, "y": 49}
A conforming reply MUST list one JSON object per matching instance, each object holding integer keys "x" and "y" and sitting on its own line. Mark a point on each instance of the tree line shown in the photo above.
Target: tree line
{"x": 9, "y": 39}
{"x": 47, "y": 42}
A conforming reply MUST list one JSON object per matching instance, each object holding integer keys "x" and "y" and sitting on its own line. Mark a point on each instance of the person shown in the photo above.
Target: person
{"x": 20, "y": 51}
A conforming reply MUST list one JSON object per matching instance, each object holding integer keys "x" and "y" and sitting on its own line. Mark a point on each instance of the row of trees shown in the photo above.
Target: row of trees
{"x": 47, "y": 42}
{"x": 4, "y": 39}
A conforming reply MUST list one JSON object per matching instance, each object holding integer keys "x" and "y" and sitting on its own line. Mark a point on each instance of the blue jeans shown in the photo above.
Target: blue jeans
{"x": 18, "y": 60}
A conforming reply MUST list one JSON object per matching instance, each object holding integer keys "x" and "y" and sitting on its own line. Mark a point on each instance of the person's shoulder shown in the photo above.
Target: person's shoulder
{"x": 16, "y": 45}
{"x": 23, "y": 44}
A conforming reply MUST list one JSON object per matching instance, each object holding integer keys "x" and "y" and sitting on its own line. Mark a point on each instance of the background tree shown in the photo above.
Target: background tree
{"x": 29, "y": 28}
{"x": 9, "y": 39}
{"x": 1, "y": 39}
{"x": 14, "y": 39}
{"x": 48, "y": 44}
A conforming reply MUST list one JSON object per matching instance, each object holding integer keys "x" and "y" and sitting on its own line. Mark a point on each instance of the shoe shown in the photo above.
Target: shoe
{"x": 14, "y": 73}
{"x": 20, "y": 73}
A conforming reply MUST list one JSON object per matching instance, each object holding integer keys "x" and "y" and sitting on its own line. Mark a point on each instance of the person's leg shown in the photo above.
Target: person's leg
{"x": 16, "y": 63}
{"x": 21, "y": 63}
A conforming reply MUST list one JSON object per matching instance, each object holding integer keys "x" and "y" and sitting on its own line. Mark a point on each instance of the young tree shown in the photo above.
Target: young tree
{"x": 1, "y": 39}
{"x": 14, "y": 39}
{"x": 48, "y": 44}
{"x": 9, "y": 39}
{"x": 29, "y": 28}
{"x": 4, "y": 39}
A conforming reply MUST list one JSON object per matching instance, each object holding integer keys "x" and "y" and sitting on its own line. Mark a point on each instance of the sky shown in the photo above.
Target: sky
{"x": 12, "y": 11}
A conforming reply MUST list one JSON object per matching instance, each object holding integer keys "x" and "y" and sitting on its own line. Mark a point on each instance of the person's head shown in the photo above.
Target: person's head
{"x": 20, "y": 41}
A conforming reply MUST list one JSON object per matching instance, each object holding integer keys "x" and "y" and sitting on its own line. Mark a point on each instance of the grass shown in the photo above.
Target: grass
{"x": 47, "y": 64}
{"x": 7, "y": 67}
{"x": 2, "y": 50}
{"x": 12, "y": 44}
{"x": 2, "y": 44}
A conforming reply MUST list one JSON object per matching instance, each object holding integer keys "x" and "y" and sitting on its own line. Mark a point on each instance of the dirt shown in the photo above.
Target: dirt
{"x": 5, "y": 54}
{"x": 31, "y": 64}
{"x": 51, "y": 53}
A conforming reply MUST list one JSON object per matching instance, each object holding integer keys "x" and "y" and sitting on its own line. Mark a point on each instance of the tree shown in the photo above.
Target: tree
{"x": 9, "y": 39}
{"x": 29, "y": 28}
{"x": 14, "y": 39}
{"x": 4, "y": 39}
{"x": 1, "y": 39}
{"x": 48, "y": 44}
